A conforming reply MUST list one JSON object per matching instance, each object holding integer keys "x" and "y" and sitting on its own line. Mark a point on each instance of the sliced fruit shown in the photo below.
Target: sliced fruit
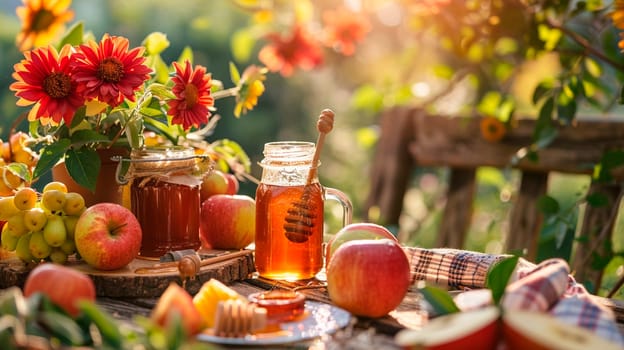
{"x": 477, "y": 329}
{"x": 540, "y": 331}
{"x": 208, "y": 297}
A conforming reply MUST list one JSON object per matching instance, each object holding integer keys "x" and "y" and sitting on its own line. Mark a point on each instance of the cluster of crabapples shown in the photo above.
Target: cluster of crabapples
{"x": 16, "y": 164}
{"x": 40, "y": 226}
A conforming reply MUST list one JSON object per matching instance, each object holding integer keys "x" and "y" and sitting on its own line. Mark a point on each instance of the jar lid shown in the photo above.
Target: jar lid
{"x": 162, "y": 158}
{"x": 288, "y": 152}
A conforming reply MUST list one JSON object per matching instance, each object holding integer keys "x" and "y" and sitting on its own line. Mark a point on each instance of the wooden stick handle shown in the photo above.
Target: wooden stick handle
{"x": 173, "y": 265}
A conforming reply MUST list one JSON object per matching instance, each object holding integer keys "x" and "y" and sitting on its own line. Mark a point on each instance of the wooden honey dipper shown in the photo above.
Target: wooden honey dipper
{"x": 237, "y": 318}
{"x": 300, "y": 217}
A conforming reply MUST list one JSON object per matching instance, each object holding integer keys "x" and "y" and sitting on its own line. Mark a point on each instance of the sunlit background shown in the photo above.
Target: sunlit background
{"x": 397, "y": 63}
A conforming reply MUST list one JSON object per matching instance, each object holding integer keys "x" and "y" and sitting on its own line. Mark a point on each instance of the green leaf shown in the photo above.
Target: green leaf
{"x": 79, "y": 116}
{"x": 242, "y": 44}
{"x": 597, "y": 199}
{"x": 542, "y": 90}
{"x": 187, "y": 54}
{"x": 107, "y": 326}
{"x": 74, "y": 35}
{"x": 547, "y": 205}
{"x": 498, "y": 277}
{"x": 545, "y": 132}
{"x": 161, "y": 69}
{"x": 83, "y": 165}
{"x": 155, "y": 43}
{"x": 592, "y": 67}
{"x": 49, "y": 156}
{"x": 439, "y": 299}
{"x": 88, "y": 136}
{"x": 234, "y": 74}
{"x": 21, "y": 170}
{"x": 62, "y": 327}
{"x": 443, "y": 71}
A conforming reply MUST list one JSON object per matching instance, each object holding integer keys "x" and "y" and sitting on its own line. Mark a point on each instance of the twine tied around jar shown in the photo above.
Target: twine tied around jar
{"x": 159, "y": 164}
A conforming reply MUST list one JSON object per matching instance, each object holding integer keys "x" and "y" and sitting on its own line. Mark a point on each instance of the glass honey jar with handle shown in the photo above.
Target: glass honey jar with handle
{"x": 289, "y": 213}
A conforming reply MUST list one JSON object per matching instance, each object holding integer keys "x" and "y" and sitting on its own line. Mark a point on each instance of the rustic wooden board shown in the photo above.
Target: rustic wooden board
{"x": 126, "y": 283}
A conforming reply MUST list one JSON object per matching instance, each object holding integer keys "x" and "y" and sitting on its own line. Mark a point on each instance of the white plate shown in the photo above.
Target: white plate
{"x": 321, "y": 319}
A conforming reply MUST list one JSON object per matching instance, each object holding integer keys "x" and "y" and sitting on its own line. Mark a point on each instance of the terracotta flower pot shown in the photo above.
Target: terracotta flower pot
{"x": 106, "y": 188}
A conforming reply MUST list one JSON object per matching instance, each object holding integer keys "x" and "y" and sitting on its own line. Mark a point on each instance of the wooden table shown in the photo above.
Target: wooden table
{"x": 361, "y": 334}
{"x": 238, "y": 273}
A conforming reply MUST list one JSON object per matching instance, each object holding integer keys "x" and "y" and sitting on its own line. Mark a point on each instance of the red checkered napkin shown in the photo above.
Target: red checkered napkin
{"x": 546, "y": 287}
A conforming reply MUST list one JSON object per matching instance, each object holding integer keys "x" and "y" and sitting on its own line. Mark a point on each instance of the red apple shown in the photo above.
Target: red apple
{"x": 228, "y": 221}
{"x": 176, "y": 299}
{"x": 233, "y": 184}
{"x": 108, "y": 236}
{"x": 363, "y": 230}
{"x": 475, "y": 329}
{"x": 63, "y": 285}
{"x": 368, "y": 277}
{"x": 213, "y": 183}
{"x": 542, "y": 331}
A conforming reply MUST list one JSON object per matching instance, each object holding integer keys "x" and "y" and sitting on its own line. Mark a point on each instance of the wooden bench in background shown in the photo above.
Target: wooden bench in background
{"x": 412, "y": 138}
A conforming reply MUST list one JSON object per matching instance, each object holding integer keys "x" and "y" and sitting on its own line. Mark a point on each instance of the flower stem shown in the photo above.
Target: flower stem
{"x": 231, "y": 92}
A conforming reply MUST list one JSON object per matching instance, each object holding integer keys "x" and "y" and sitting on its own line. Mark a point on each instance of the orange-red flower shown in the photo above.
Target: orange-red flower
{"x": 343, "y": 29}
{"x": 285, "y": 53}
{"x": 492, "y": 129}
{"x": 44, "y": 79}
{"x": 109, "y": 72}
{"x": 192, "y": 90}
{"x": 617, "y": 15}
{"x": 42, "y": 21}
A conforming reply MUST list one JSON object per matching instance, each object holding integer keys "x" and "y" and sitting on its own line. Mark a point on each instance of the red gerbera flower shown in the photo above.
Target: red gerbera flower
{"x": 284, "y": 54}
{"x": 108, "y": 71}
{"x": 343, "y": 28}
{"x": 43, "y": 78}
{"x": 192, "y": 90}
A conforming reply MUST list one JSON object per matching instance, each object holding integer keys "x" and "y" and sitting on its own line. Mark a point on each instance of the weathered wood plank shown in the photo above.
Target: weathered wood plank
{"x": 456, "y": 142}
{"x": 526, "y": 219}
{"x": 126, "y": 283}
{"x": 458, "y": 209}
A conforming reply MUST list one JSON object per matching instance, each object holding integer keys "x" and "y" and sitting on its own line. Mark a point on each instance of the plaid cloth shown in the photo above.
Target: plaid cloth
{"x": 450, "y": 267}
{"x": 546, "y": 287}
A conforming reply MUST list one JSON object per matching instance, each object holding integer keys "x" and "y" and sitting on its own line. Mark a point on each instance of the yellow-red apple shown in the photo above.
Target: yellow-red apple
{"x": 368, "y": 277}
{"x": 541, "y": 331}
{"x": 63, "y": 285}
{"x": 107, "y": 236}
{"x": 475, "y": 329}
{"x": 177, "y": 301}
{"x": 361, "y": 230}
{"x": 233, "y": 184}
{"x": 213, "y": 183}
{"x": 228, "y": 221}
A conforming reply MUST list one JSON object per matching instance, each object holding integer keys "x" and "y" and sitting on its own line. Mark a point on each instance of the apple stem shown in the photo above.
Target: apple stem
{"x": 115, "y": 228}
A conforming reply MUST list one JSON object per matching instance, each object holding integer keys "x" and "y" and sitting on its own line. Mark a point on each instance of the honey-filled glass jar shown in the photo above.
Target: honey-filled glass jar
{"x": 165, "y": 198}
{"x": 289, "y": 213}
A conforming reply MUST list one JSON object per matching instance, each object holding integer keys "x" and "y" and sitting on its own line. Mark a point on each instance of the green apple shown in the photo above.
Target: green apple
{"x": 35, "y": 219}
{"x": 54, "y": 231}
{"x": 356, "y": 231}
{"x": 228, "y": 221}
